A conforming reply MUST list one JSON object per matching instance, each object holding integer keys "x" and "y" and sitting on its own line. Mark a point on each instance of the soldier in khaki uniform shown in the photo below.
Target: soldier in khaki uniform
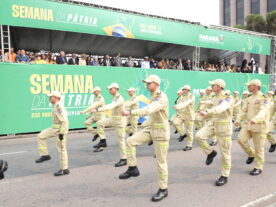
{"x": 186, "y": 117}
{"x": 132, "y": 104}
{"x": 177, "y": 101}
{"x": 59, "y": 129}
{"x": 220, "y": 126}
{"x": 94, "y": 117}
{"x": 227, "y": 93}
{"x": 256, "y": 110}
{"x": 237, "y": 104}
{"x": 199, "y": 123}
{"x": 117, "y": 121}
{"x": 237, "y": 107}
{"x": 157, "y": 130}
{"x": 272, "y": 123}
{"x": 245, "y": 96}
{"x": 208, "y": 105}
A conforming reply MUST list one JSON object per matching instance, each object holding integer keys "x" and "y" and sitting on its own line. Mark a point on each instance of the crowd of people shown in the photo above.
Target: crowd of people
{"x": 21, "y": 56}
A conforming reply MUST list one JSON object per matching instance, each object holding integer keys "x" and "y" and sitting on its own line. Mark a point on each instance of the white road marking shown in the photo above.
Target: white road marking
{"x": 11, "y": 153}
{"x": 259, "y": 200}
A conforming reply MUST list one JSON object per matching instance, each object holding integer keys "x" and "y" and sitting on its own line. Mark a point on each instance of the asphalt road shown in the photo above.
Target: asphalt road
{"x": 94, "y": 179}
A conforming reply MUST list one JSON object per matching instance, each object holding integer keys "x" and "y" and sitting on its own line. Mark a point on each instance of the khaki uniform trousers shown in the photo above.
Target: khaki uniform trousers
{"x": 161, "y": 150}
{"x": 120, "y": 128}
{"x": 259, "y": 142}
{"x": 133, "y": 121}
{"x": 225, "y": 144}
{"x": 88, "y": 123}
{"x": 61, "y": 145}
{"x": 188, "y": 125}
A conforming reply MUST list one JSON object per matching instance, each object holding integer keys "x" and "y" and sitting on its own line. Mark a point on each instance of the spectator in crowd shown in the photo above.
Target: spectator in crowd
{"x": 118, "y": 60}
{"x": 39, "y": 60}
{"x": 82, "y": 61}
{"x": 162, "y": 64}
{"x": 129, "y": 62}
{"x": 10, "y": 56}
{"x": 61, "y": 59}
{"x": 50, "y": 59}
{"x": 153, "y": 63}
{"x": 187, "y": 65}
{"x": 145, "y": 63}
{"x": 88, "y": 60}
{"x": 106, "y": 61}
{"x": 95, "y": 61}
{"x": 244, "y": 66}
{"x": 22, "y": 57}
{"x": 74, "y": 60}
{"x": 179, "y": 65}
{"x": 172, "y": 65}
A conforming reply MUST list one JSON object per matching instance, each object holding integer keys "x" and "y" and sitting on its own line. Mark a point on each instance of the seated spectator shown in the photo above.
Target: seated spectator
{"x": 39, "y": 60}
{"x": 22, "y": 57}
{"x": 118, "y": 60}
{"x": 179, "y": 65}
{"x": 129, "y": 62}
{"x": 61, "y": 59}
{"x": 162, "y": 64}
{"x": 50, "y": 59}
{"x": 82, "y": 61}
{"x": 95, "y": 61}
{"x": 153, "y": 63}
{"x": 10, "y": 56}
{"x": 106, "y": 61}
{"x": 145, "y": 63}
{"x": 172, "y": 65}
{"x": 244, "y": 66}
{"x": 187, "y": 65}
{"x": 88, "y": 60}
{"x": 74, "y": 60}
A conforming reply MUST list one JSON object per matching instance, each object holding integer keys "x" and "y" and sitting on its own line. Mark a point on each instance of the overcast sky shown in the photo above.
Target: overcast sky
{"x": 204, "y": 11}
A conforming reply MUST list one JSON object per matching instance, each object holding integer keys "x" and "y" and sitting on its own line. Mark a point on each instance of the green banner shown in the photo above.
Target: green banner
{"x": 25, "y": 106}
{"x": 67, "y": 17}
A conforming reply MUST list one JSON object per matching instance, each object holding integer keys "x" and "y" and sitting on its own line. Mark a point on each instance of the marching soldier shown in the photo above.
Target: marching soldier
{"x": 227, "y": 92}
{"x": 256, "y": 110}
{"x": 157, "y": 130}
{"x": 221, "y": 126}
{"x": 177, "y": 101}
{"x": 237, "y": 107}
{"x": 3, "y": 168}
{"x": 272, "y": 123}
{"x": 208, "y": 105}
{"x": 132, "y": 104}
{"x": 245, "y": 96}
{"x": 93, "y": 118}
{"x": 237, "y": 104}
{"x": 186, "y": 117}
{"x": 117, "y": 121}
{"x": 200, "y": 106}
{"x": 59, "y": 129}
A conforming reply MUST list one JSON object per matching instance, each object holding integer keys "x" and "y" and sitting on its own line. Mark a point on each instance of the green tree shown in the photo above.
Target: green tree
{"x": 256, "y": 22}
{"x": 239, "y": 26}
{"x": 271, "y": 22}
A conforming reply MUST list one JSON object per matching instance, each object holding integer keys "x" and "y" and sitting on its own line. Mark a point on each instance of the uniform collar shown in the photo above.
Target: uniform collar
{"x": 155, "y": 92}
{"x": 258, "y": 94}
{"x": 118, "y": 94}
{"x": 57, "y": 104}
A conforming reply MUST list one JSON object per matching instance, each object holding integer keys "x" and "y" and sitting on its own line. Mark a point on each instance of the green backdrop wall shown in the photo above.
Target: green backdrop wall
{"x": 25, "y": 107}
